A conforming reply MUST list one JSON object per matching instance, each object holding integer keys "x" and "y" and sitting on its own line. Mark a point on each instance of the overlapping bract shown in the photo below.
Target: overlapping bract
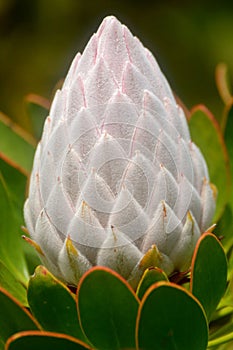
{"x": 116, "y": 179}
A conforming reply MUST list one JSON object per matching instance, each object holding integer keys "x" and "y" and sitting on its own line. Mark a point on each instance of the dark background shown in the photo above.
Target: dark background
{"x": 38, "y": 39}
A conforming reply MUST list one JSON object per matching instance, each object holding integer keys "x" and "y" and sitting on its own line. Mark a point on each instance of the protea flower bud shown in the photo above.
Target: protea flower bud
{"x": 116, "y": 179}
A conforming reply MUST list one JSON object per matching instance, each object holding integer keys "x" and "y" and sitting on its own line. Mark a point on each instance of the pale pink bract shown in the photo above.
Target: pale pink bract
{"x": 116, "y": 180}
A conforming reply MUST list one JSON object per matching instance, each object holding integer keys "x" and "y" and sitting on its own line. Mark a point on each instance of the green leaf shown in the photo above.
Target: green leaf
{"x": 207, "y": 135}
{"x": 226, "y": 341}
{"x": 224, "y": 228}
{"x": 227, "y": 300}
{"x": 52, "y": 304}
{"x": 171, "y": 318}
{"x": 16, "y": 146}
{"x": 208, "y": 272}
{"x": 37, "y": 108}
{"x": 12, "y": 285}
{"x": 13, "y": 317}
{"x": 222, "y": 325}
{"x": 107, "y": 308}
{"x": 31, "y": 256}
{"x": 150, "y": 277}
{"x": 229, "y": 141}
{"x": 46, "y": 341}
{"x": 16, "y": 184}
{"x": 11, "y": 247}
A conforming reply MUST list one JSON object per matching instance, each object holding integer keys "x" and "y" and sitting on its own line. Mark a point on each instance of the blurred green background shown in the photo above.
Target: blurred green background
{"x": 38, "y": 39}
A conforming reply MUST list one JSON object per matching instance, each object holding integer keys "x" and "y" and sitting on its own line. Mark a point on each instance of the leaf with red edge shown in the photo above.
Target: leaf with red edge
{"x": 206, "y": 133}
{"x": 35, "y": 340}
{"x": 16, "y": 145}
{"x": 150, "y": 277}
{"x": 11, "y": 284}
{"x": 208, "y": 272}
{"x": 52, "y": 304}
{"x": 13, "y": 317}
{"x": 107, "y": 309}
{"x": 11, "y": 247}
{"x": 171, "y": 318}
{"x": 13, "y": 250}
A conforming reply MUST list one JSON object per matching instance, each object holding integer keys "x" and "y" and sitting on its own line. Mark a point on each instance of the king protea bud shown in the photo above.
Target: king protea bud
{"x": 116, "y": 180}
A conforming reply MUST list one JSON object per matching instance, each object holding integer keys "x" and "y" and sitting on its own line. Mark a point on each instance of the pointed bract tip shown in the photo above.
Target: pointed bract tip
{"x": 71, "y": 250}
{"x": 33, "y": 244}
{"x": 151, "y": 258}
{"x": 190, "y": 222}
{"x": 211, "y": 228}
{"x": 108, "y": 23}
{"x": 189, "y": 217}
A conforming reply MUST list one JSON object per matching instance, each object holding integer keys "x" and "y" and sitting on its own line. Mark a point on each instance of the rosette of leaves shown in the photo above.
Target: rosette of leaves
{"x": 105, "y": 313}
{"x": 190, "y": 310}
